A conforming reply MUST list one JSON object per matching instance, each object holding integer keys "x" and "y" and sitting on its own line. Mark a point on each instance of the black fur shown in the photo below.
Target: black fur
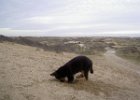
{"x": 75, "y": 65}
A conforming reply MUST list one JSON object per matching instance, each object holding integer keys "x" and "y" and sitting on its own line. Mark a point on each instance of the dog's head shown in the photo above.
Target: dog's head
{"x": 53, "y": 74}
{"x": 58, "y": 76}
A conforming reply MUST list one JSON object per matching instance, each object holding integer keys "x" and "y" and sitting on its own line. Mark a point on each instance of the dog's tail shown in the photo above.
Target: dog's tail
{"x": 91, "y": 69}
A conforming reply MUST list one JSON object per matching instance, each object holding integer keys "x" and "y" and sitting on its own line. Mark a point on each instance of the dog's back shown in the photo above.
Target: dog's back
{"x": 80, "y": 63}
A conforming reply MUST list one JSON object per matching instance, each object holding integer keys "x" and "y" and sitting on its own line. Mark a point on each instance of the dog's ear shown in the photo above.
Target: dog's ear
{"x": 53, "y": 74}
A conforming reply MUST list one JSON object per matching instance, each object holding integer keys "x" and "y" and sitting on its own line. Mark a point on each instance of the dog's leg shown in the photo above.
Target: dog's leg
{"x": 86, "y": 74}
{"x": 70, "y": 78}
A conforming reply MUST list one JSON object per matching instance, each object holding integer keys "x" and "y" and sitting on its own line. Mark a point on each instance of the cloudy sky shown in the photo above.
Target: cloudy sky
{"x": 70, "y": 17}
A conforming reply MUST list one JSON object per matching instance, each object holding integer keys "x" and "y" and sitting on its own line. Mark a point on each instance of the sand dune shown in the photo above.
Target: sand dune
{"x": 25, "y": 75}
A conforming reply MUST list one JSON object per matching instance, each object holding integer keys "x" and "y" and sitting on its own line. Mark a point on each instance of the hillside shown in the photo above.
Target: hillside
{"x": 25, "y": 75}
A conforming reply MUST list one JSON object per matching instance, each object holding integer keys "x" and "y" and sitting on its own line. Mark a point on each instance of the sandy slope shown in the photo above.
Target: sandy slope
{"x": 24, "y": 75}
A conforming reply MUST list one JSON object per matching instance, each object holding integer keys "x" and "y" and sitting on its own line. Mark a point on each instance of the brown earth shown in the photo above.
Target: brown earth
{"x": 25, "y": 75}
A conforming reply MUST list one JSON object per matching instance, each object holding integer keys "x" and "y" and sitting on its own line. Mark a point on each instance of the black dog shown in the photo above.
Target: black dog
{"x": 77, "y": 64}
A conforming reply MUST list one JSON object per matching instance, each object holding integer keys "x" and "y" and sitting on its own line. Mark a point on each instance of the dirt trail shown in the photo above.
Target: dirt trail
{"x": 120, "y": 62}
{"x": 25, "y": 75}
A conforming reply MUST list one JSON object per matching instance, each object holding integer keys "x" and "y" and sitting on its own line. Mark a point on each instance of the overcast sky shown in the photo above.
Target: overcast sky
{"x": 70, "y": 17}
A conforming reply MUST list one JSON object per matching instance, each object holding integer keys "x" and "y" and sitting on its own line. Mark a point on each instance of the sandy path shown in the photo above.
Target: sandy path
{"x": 110, "y": 56}
{"x": 25, "y": 75}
